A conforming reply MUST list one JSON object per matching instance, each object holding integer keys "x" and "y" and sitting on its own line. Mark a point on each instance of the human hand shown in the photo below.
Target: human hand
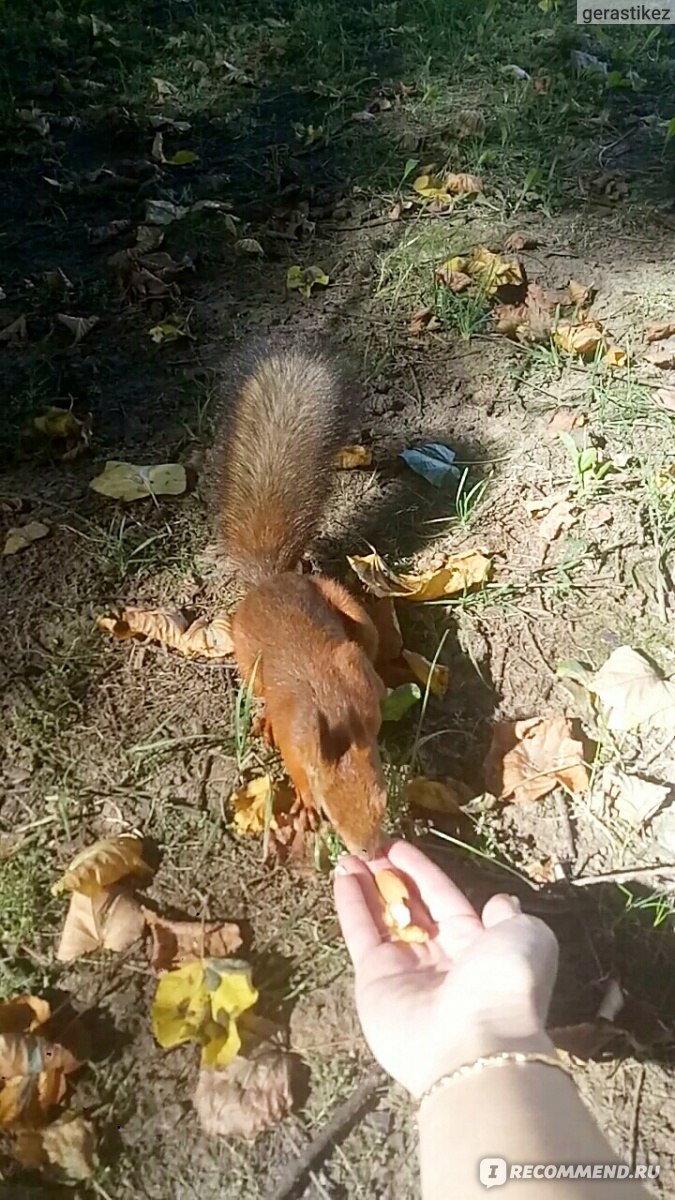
{"x": 479, "y": 986}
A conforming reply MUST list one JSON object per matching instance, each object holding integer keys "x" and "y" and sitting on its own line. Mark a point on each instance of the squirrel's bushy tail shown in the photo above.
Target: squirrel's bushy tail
{"x": 287, "y": 414}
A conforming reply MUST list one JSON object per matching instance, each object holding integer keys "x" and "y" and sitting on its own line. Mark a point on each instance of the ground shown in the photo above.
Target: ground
{"x": 311, "y": 123}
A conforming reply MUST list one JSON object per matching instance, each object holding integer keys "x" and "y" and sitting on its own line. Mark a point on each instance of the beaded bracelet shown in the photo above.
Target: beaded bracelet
{"x": 507, "y": 1058}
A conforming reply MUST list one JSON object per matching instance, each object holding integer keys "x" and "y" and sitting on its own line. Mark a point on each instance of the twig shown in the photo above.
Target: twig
{"x": 623, "y": 876}
{"x": 639, "y": 1083}
{"x": 294, "y": 1179}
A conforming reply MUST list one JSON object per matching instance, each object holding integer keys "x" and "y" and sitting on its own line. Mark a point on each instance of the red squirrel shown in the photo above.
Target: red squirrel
{"x": 304, "y": 640}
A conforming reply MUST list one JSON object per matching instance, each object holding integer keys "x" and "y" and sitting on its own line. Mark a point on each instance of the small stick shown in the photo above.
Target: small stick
{"x": 623, "y": 876}
{"x": 295, "y": 1177}
{"x": 639, "y": 1083}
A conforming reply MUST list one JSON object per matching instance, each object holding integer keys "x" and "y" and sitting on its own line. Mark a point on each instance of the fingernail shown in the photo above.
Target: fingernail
{"x": 341, "y": 868}
{"x": 515, "y": 903}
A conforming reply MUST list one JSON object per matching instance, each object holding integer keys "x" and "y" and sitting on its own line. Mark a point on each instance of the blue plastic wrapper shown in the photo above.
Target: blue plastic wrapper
{"x": 434, "y": 462}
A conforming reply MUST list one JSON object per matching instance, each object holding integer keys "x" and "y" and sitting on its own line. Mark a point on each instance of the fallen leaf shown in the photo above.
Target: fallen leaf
{"x": 168, "y": 331}
{"x": 148, "y": 238}
{"x": 177, "y": 942}
{"x": 586, "y": 1040}
{"x": 615, "y": 356}
{"x": 485, "y": 268}
{"x": 470, "y": 122}
{"x": 250, "y": 246}
{"x": 458, "y": 574}
{"x": 598, "y": 515}
{"x": 163, "y": 88}
{"x": 399, "y": 701}
{"x": 425, "y": 320}
{"x": 437, "y": 795}
{"x": 580, "y": 294}
{"x": 432, "y": 187}
{"x": 16, "y": 331}
{"x": 259, "y": 801}
{"x": 364, "y": 115}
{"x": 564, "y": 420}
{"x": 182, "y": 158}
{"x": 68, "y": 1143}
{"x": 397, "y": 911}
{"x": 24, "y": 535}
{"x": 200, "y": 1002}
{"x": 103, "y": 863}
{"x": 108, "y": 920}
{"x": 303, "y": 279}
{"x": 249, "y": 1096}
{"x": 351, "y": 457}
{"x": 542, "y": 85}
{"x": 435, "y": 676}
{"x": 528, "y": 759}
{"x": 529, "y": 321}
{"x": 558, "y": 517}
{"x": 580, "y": 337}
{"x": 665, "y": 398}
{"x": 661, "y": 354}
{"x": 23, "y": 1014}
{"x": 78, "y": 326}
{"x": 61, "y": 425}
{"x": 456, "y": 281}
{"x": 124, "y": 481}
{"x": 632, "y": 799}
{"x": 520, "y": 241}
{"x": 463, "y": 184}
{"x": 631, "y": 692}
{"x": 200, "y": 638}
{"x": 99, "y": 234}
{"x": 434, "y": 462}
{"x": 164, "y": 212}
{"x": 660, "y": 330}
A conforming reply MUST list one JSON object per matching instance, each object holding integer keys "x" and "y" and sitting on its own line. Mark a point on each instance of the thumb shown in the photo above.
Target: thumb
{"x": 500, "y": 908}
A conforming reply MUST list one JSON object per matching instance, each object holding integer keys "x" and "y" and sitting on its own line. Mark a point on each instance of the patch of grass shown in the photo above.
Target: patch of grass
{"x": 466, "y": 312}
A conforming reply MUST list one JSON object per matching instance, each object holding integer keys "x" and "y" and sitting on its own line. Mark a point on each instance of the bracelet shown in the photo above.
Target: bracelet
{"x": 507, "y": 1058}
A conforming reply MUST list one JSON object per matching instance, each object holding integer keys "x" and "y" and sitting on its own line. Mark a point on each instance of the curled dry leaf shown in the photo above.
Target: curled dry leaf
{"x": 109, "y": 920}
{"x": 250, "y": 246}
{"x": 554, "y": 514}
{"x": 486, "y": 269}
{"x": 23, "y": 1014}
{"x": 632, "y": 799}
{"x": 424, "y": 320}
{"x": 259, "y": 802}
{"x": 438, "y": 795}
{"x": 520, "y": 241}
{"x": 463, "y": 184}
{"x": 457, "y": 575}
{"x": 528, "y": 759}
{"x": 470, "y": 122}
{"x": 665, "y": 398}
{"x": 442, "y": 189}
{"x": 32, "y": 1066}
{"x": 78, "y": 326}
{"x": 68, "y": 1143}
{"x": 200, "y": 1002}
{"x": 397, "y": 915}
{"x": 103, "y": 863}
{"x": 660, "y": 330}
{"x": 580, "y": 337}
{"x": 124, "y": 481}
{"x": 177, "y": 942}
{"x": 201, "y": 638}
{"x": 70, "y": 436}
{"x": 565, "y": 420}
{"x": 580, "y": 293}
{"x": 249, "y": 1096}
{"x": 435, "y": 676}
{"x": 351, "y": 457}
{"x": 22, "y": 536}
{"x": 304, "y": 279}
{"x": 632, "y": 694}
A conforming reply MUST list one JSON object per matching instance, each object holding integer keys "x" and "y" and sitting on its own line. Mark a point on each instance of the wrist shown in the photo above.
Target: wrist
{"x": 481, "y": 1042}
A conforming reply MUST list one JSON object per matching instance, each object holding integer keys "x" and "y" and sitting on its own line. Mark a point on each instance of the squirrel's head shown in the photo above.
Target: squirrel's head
{"x": 348, "y": 784}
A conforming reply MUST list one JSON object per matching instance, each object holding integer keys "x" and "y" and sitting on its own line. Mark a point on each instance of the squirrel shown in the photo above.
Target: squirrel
{"x": 303, "y": 641}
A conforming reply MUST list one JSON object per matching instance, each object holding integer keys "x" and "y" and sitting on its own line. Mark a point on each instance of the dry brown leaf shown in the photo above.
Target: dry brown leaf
{"x": 660, "y": 330}
{"x": 564, "y": 420}
{"x": 435, "y": 676}
{"x": 580, "y": 293}
{"x": 463, "y": 184}
{"x": 665, "y": 398}
{"x": 68, "y": 1143}
{"x": 438, "y": 795}
{"x": 469, "y": 122}
{"x": 541, "y": 85}
{"x": 103, "y": 863}
{"x": 23, "y": 1014}
{"x": 633, "y": 799}
{"x": 456, "y": 281}
{"x": 527, "y": 759}
{"x": 559, "y": 516}
{"x": 176, "y": 942}
{"x": 15, "y": 331}
{"x": 249, "y": 1096}
{"x": 457, "y": 575}
{"x": 529, "y": 321}
{"x": 78, "y": 326}
{"x": 586, "y": 1040}
{"x": 661, "y": 354}
{"x": 26, "y": 1099}
{"x": 520, "y": 241}
{"x": 580, "y": 337}
{"x": 351, "y": 457}
{"x": 201, "y": 638}
{"x": 598, "y": 515}
{"x": 110, "y": 920}
{"x": 424, "y": 321}
{"x": 22, "y": 536}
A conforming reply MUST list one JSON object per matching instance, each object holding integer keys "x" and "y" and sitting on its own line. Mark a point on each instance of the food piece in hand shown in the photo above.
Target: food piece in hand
{"x": 397, "y": 914}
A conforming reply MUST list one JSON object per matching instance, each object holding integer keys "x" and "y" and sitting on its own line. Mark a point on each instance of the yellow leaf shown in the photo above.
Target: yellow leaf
{"x": 255, "y": 800}
{"x": 24, "y": 535}
{"x": 167, "y": 331}
{"x": 303, "y": 279}
{"x": 124, "y": 481}
{"x": 57, "y": 423}
{"x": 437, "y": 795}
{"x": 182, "y": 158}
{"x": 491, "y": 271}
{"x": 200, "y": 1002}
{"x": 102, "y": 864}
{"x": 432, "y": 187}
{"x": 351, "y": 457}
{"x": 615, "y": 357}
{"x": 435, "y": 675}
{"x": 201, "y": 638}
{"x": 456, "y": 576}
{"x": 581, "y": 338}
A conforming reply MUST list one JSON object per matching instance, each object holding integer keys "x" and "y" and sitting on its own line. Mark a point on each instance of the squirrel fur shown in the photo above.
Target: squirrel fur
{"x": 304, "y": 640}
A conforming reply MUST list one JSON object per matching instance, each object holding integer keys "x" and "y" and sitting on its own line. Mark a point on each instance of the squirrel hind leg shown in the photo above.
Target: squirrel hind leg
{"x": 357, "y": 623}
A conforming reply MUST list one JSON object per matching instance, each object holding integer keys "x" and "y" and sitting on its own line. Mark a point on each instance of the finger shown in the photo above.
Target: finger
{"x": 356, "y": 903}
{"x": 442, "y": 897}
{"x": 500, "y": 908}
